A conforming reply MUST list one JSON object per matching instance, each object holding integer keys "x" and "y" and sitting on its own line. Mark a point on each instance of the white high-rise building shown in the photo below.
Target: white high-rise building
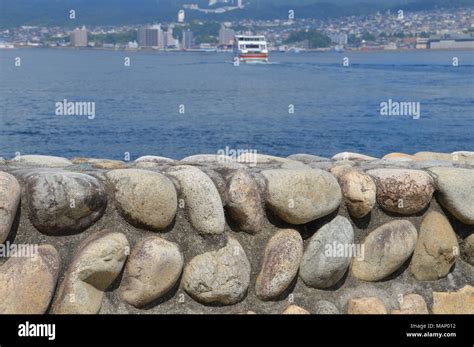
{"x": 79, "y": 37}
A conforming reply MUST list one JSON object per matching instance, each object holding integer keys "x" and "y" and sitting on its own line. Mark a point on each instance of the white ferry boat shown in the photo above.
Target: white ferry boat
{"x": 251, "y": 49}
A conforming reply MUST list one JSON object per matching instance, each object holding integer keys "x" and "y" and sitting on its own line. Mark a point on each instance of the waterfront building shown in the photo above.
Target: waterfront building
{"x": 151, "y": 37}
{"x": 422, "y": 43}
{"x": 187, "y": 39}
{"x": 452, "y": 43}
{"x": 338, "y": 38}
{"x": 78, "y": 37}
{"x": 226, "y": 36}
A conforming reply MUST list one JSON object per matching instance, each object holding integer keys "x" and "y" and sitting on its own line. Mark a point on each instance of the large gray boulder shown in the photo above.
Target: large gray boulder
{"x": 328, "y": 254}
{"x": 202, "y": 199}
{"x": 145, "y": 198}
{"x": 218, "y": 277}
{"x": 41, "y": 161}
{"x": 62, "y": 201}
{"x": 456, "y": 191}
{"x": 301, "y": 196}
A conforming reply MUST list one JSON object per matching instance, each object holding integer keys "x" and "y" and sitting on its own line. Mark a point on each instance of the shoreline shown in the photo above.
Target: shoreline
{"x": 230, "y": 52}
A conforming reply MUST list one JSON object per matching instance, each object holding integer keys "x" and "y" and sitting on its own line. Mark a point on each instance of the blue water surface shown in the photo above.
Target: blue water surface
{"x": 336, "y": 108}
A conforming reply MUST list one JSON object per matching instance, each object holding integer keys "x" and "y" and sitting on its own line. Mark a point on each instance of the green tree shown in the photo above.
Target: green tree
{"x": 353, "y": 40}
{"x": 114, "y": 38}
{"x": 368, "y": 36}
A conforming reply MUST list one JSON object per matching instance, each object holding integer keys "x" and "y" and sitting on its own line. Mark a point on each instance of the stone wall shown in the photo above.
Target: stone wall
{"x": 253, "y": 234}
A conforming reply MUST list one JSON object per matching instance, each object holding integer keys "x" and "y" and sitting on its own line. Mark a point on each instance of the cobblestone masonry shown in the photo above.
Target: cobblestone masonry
{"x": 253, "y": 234}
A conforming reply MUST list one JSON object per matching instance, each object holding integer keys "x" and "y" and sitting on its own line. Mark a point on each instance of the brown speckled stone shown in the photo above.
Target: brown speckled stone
{"x": 403, "y": 191}
{"x": 281, "y": 261}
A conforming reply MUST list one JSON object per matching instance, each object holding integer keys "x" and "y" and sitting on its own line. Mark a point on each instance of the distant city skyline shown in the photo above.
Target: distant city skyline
{"x": 381, "y": 30}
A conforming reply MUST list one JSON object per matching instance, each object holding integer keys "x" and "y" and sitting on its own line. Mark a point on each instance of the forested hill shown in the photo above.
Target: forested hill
{"x": 115, "y": 12}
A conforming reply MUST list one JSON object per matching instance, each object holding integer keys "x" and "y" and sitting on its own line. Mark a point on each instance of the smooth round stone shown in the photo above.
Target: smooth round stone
{"x": 295, "y": 165}
{"x": 340, "y": 170}
{"x": 427, "y": 164}
{"x": 202, "y": 199}
{"x": 369, "y": 305}
{"x": 436, "y": 249}
{"x": 293, "y": 309}
{"x": 147, "y": 165}
{"x": 463, "y": 157}
{"x": 434, "y": 156}
{"x": 468, "y": 249}
{"x": 325, "y": 307}
{"x": 251, "y": 158}
{"x": 322, "y": 165}
{"x": 301, "y": 196}
{"x": 281, "y": 260}
{"x": 62, "y": 201}
{"x": 145, "y": 198}
{"x": 460, "y": 302}
{"x": 154, "y": 159}
{"x": 42, "y": 161}
{"x": 328, "y": 254}
{"x": 9, "y": 201}
{"x": 352, "y": 156}
{"x": 97, "y": 263}
{"x": 153, "y": 268}
{"x": 403, "y": 191}
{"x": 207, "y": 158}
{"x": 307, "y": 158}
{"x": 218, "y": 277}
{"x": 385, "y": 164}
{"x": 384, "y": 250}
{"x": 244, "y": 202}
{"x": 220, "y": 161}
{"x": 27, "y": 283}
{"x": 105, "y": 164}
{"x": 359, "y": 192}
{"x": 348, "y": 163}
{"x": 456, "y": 191}
{"x": 400, "y": 156}
{"x": 412, "y": 304}
{"x": 83, "y": 160}
{"x": 109, "y": 164}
